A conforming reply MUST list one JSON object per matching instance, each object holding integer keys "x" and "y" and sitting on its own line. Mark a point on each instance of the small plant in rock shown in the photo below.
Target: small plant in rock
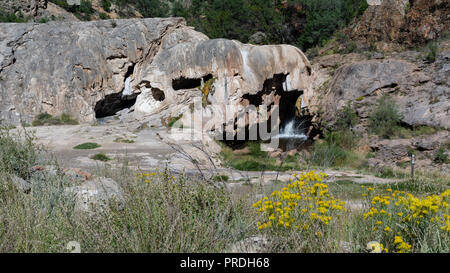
{"x": 441, "y": 156}
{"x": 385, "y": 118}
{"x": 346, "y": 117}
{"x": 45, "y": 119}
{"x": 124, "y": 140}
{"x": 101, "y": 157}
{"x": 87, "y": 146}
{"x": 432, "y": 52}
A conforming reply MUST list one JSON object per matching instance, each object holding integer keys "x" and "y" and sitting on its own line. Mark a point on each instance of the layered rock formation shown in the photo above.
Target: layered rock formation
{"x": 421, "y": 90}
{"x": 25, "y": 7}
{"x": 402, "y": 21}
{"x": 94, "y": 69}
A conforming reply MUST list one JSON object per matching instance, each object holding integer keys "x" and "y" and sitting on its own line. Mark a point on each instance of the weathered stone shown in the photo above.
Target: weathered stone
{"x": 255, "y": 244}
{"x": 159, "y": 63}
{"x": 432, "y": 142}
{"x": 421, "y": 101}
{"x": 258, "y": 38}
{"x": 24, "y": 7}
{"x": 96, "y": 194}
{"x": 76, "y": 173}
{"x": 402, "y": 21}
{"x": 21, "y": 184}
{"x": 292, "y": 152}
{"x": 242, "y": 151}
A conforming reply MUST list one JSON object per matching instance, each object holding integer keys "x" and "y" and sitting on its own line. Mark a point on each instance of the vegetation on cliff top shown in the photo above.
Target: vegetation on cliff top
{"x": 304, "y": 23}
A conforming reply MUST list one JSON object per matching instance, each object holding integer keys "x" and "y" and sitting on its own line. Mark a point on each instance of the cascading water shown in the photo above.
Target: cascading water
{"x": 292, "y": 135}
{"x": 290, "y": 130}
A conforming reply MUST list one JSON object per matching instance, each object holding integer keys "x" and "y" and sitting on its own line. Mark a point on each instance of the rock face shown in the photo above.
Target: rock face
{"x": 402, "y": 21}
{"x": 24, "y": 7}
{"x": 421, "y": 92}
{"x": 70, "y": 66}
{"x": 96, "y": 194}
{"x": 95, "y": 69}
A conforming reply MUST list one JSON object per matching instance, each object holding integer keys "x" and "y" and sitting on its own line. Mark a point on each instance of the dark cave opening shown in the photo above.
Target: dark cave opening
{"x": 293, "y": 125}
{"x": 189, "y": 83}
{"x": 113, "y": 103}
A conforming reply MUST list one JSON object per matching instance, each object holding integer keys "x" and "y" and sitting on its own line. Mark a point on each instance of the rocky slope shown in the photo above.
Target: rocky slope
{"x": 407, "y": 22}
{"x": 419, "y": 87}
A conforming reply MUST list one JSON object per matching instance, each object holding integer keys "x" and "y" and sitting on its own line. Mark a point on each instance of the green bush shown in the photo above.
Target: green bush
{"x": 385, "y": 118}
{"x": 12, "y": 18}
{"x": 103, "y": 16}
{"x": 441, "y": 156}
{"x": 431, "y": 52}
{"x": 342, "y": 138}
{"x": 346, "y": 117}
{"x": 87, "y": 146}
{"x": 17, "y": 154}
{"x": 47, "y": 119}
{"x": 106, "y": 5}
{"x": 101, "y": 157}
{"x": 327, "y": 155}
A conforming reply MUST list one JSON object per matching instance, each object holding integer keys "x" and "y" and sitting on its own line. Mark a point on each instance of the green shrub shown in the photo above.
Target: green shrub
{"x": 385, "y": 118}
{"x": 106, "y": 5}
{"x": 17, "y": 156}
{"x": 441, "y": 156}
{"x": 47, "y": 119}
{"x": 327, "y": 155}
{"x": 342, "y": 138}
{"x": 124, "y": 140}
{"x": 103, "y": 16}
{"x": 346, "y": 117}
{"x": 101, "y": 157}
{"x": 173, "y": 121}
{"x": 12, "y": 18}
{"x": 87, "y": 146}
{"x": 431, "y": 52}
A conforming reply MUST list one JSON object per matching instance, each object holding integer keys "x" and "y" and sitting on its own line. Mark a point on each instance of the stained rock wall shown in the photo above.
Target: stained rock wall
{"x": 72, "y": 66}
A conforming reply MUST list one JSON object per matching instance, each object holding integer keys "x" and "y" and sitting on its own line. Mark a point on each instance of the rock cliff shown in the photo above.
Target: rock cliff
{"x": 95, "y": 69}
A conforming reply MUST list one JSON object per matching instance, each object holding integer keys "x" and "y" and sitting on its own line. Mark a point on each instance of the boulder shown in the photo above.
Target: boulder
{"x": 21, "y": 184}
{"x": 96, "y": 195}
{"x": 255, "y": 244}
{"x": 432, "y": 142}
{"x": 258, "y": 38}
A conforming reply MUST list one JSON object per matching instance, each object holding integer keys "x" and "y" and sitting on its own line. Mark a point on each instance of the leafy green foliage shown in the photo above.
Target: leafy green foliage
{"x": 47, "y": 119}
{"x": 17, "y": 155}
{"x": 12, "y": 18}
{"x": 346, "y": 117}
{"x": 239, "y": 19}
{"x": 441, "y": 156}
{"x": 385, "y": 118}
{"x": 101, "y": 157}
{"x": 83, "y": 11}
{"x": 431, "y": 52}
{"x": 87, "y": 146}
{"x": 106, "y": 5}
{"x": 324, "y": 17}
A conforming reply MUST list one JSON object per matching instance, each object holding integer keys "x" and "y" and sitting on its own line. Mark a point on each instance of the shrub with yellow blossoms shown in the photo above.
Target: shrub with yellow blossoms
{"x": 304, "y": 204}
{"x": 404, "y": 222}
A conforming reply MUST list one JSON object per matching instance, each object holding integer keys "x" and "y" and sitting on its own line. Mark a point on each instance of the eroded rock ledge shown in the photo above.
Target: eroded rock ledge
{"x": 94, "y": 69}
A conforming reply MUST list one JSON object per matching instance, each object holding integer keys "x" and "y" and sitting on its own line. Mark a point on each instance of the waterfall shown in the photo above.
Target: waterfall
{"x": 290, "y": 131}
{"x": 128, "y": 89}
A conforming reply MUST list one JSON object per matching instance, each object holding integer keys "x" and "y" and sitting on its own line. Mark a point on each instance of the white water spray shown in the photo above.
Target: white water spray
{"x": 289, "y": 131}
